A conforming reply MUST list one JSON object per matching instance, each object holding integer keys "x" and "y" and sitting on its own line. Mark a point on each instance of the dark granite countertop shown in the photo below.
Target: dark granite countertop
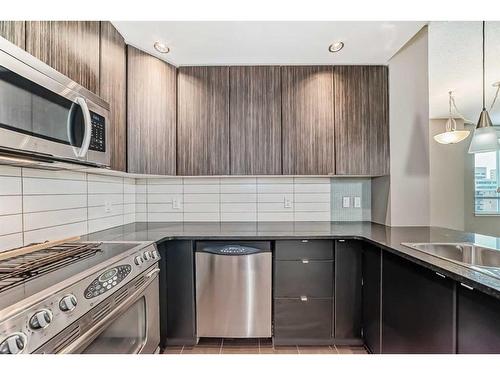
{"x": 389, "y": 238}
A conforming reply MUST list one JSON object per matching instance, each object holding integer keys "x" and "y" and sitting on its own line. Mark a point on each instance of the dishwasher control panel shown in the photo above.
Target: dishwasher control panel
{"x": 231, "y": 248}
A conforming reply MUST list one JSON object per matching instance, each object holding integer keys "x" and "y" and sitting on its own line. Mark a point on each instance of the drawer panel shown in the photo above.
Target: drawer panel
{"x": 294, "y": 278}
{"x": 302, "y": 320}
{"x": 304, "y": 249}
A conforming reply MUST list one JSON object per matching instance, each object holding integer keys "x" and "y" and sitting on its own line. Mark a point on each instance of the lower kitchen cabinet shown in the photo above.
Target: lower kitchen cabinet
{"x": 418, "y": 309}
{"x": 178, "y": 314}
{"x": 478, "y": 322}
{"x": 348, "y": 275}
{"x": 302, "y": 321}
{"x": 371, "y": 307}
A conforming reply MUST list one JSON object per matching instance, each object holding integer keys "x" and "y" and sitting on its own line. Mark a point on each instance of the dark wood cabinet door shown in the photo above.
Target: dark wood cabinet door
{"x": 255, "y": 120}
{"x": 151, "y": 97}
{"x": 14, "y": 31}
{"x": 348, "y": 274}
{"x": 418, "y": 309}
{"x": 478, "y": 322}
{"x": 378, "y": 120}
{"x": 203, "y": 121}
{"x": 113, "y": 82}
{"x": 361, "y": 120}
{"x": 308, "y": 120}
{"x": 70, "y": 47}
{"x": 372, "y": 292}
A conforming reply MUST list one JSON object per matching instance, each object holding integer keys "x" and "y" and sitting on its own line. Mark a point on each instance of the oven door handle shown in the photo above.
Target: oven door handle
{"x": 152, "y": 273}
{"x": 88, "y": 126}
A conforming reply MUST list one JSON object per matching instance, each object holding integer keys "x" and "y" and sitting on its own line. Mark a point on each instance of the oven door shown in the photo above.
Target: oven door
{"x": 130, "y": 326}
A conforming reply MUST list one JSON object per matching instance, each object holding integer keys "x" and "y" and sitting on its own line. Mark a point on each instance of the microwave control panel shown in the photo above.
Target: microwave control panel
{"x": 98, "y": 136}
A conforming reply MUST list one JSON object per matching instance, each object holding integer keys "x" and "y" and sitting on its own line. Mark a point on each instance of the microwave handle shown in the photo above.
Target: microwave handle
{"x": 88, "y": 126}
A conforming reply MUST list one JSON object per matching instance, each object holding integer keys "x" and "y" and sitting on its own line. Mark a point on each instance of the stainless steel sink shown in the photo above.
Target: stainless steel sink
{"x": 463, "y": 253}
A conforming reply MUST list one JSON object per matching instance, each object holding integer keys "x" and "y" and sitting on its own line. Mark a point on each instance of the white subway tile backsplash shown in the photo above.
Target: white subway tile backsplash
{"x": 316, "y": 207}
{"x": 312, "y": 188}
{"x": 163, "y": 198}
{"x": 36, "y": 203}
{"x": 202, "y": 189}
{"x": 11, "y": 241}
{"x": 128, "y": 198}
{"x": 273, "y": 207}
{"x": 36, "y": 220}
{"x": 201, "y": 198}
{"x": 163, "y": 181}
{"x": 236, "y": 198}
{"x": 100, "y": 211}
{"x": 11, "y": 204}
{"x": 98, "y": 187}
{"x": 102, "y": 199}
{"x": 104, "y": 223}
{"x": 202, "y": 216}
{"x": 53, "y": 186}
{"x": 238, "y": 181}
{"x": 269, "y": 198}
{"x": 274, "y": 188}
{"x": 10, "y": 185}
{"x": 164, "y": 189}
{"x": 163, "y": 216}
{"x": 201, "y": 181}
{"x": 312, "y": 216}
{"x": 239, "y": 216}
{"x": 275, "y": 216}
{"x": 11, "y": 224}
{"x": 239, "y": 207}
{"x": 241, "y": 189}
{"x": 53, "y": 175}
{"x": 161, "y": 207}
{"x": 7, "y": 170}
{"x": 201, "y": 207}
{"x": 274, "y": 180}
{"x": 143, "y": 216}
{"x": 55, "y": 233}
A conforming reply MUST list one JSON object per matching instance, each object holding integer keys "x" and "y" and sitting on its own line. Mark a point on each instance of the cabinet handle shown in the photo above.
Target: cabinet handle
{"x": 304, "y": 241}
{"x": 466, "y": 286}
{"x": 305, "y": 261}
{"x": 341, "y": 240}
{"x": 303, "y": 298}
{"x": 440, "y": 275}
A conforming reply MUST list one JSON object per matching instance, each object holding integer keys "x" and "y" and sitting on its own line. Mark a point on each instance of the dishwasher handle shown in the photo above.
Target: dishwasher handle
{"x": 232, "y": 250}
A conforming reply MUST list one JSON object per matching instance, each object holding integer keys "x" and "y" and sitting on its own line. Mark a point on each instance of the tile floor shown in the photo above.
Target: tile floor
{"x": 258, "y": 346}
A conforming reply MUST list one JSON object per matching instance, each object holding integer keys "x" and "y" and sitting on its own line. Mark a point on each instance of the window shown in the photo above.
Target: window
{"x": 486, "y": 181}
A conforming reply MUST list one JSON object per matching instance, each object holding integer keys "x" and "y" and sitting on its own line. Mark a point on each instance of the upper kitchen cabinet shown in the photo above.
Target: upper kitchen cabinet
{"x": 151, "y": 117}
{"x": 361, "y": 120}
{"x": 70, "y": 47}
{"x": 14, "y": 31}
{"x": 308, "y": 120}
{"x": 203, "y": 121}
{"x": 255, "y": 120}
{"x": 113, "y": 70}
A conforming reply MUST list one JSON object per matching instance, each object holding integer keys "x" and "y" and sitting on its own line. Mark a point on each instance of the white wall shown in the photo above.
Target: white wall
{"x": 447, "y": 179}
{"x": 408, "y": 202}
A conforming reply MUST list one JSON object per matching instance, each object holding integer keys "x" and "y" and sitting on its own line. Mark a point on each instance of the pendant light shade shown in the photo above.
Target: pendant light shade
{"x": 451, "y": 134}
{"x": 485, "y": 137}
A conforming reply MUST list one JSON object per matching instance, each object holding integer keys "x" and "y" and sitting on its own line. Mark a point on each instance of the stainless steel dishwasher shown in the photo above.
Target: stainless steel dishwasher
{"x": 233, "y": 289}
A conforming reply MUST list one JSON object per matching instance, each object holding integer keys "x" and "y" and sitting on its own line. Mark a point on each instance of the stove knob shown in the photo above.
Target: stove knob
{"x": 13, "y": 344}
{"x": 41, "y": 319}
{"x": 68, "y": 303}
{"x": 155, "y": 254}
{"x": 138, "y": 260}
{"x": 147, "y": 255}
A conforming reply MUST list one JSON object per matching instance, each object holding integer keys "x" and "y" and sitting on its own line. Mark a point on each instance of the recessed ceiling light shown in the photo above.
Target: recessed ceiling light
{"x": 335, "y": 47}
{"x": 162, "y": 48}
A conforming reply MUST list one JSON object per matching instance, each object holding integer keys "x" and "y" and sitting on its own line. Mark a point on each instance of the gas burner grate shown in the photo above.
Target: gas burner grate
{"x": 21, "y": 268}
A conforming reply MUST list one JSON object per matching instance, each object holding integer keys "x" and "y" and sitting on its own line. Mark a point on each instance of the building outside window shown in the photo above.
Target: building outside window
{"x": 486, "y": 181}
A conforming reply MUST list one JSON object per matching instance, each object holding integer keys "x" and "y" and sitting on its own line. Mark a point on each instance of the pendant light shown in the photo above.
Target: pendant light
{"x": 451, "y": 135}
{"x": 485, "y": 137}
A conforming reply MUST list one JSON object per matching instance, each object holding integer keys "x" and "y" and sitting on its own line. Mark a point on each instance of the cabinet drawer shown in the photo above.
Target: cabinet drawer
{"x": 295, "y": 278}
{"x": 300, "y": 321}
{"x": 304, "y": 249}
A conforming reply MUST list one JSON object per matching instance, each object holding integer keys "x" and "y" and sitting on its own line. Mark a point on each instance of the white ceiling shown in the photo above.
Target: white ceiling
{"x": 270, "y": 42}
{"x": 455, "y": 64}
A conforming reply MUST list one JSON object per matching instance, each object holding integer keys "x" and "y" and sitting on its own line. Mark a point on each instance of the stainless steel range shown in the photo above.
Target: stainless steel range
{"x": 81, "y": 297}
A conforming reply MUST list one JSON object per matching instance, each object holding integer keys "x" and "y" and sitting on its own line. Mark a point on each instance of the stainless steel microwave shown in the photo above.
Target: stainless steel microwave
{"x": 46, "y": 115}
